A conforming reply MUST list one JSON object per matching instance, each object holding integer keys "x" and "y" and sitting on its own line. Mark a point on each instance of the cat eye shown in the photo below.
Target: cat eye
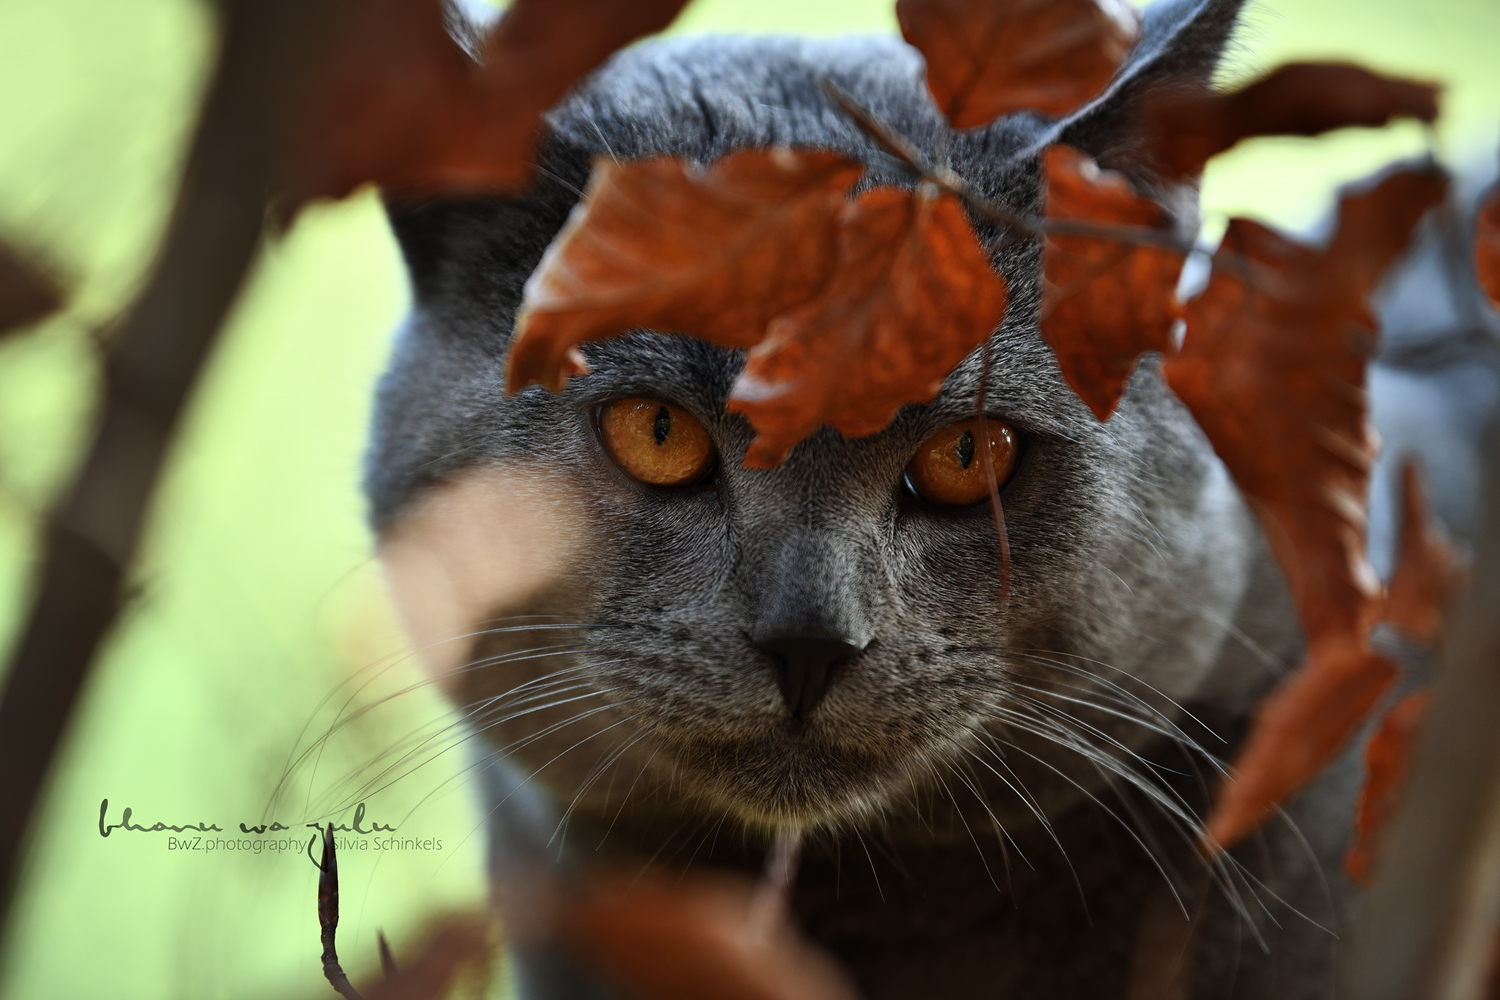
{"x": 656, "y": 442}
{"x": 948, "y": 469}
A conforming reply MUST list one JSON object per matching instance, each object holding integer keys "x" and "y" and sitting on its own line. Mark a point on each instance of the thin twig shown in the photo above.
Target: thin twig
{"x": 905, "y": 154}
{"x": 328, "y": 919}
{"x": 988, "y": 461}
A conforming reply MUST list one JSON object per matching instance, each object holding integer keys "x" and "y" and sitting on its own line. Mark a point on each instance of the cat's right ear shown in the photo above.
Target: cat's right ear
{"x": 485, "y": 248}
{"x": 1181, "y": 45}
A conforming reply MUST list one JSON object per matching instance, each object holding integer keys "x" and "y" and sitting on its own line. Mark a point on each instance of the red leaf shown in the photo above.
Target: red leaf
{"x": 912, "y": 295}
{"x": 1107, "y": 302}
{"x": 27, "y": 293}
{"x": 1387, "y": 761}
{"x": 986, "y": 58}
{"x": 454, "y": 947}
{"x": 1487, "y": 248}
{"x": 1428, "y": 567}
{"x": 660, "y": 244}
{"x": 1273, "y": 370}
{"x": 686, "y": 938}
{"x": 398, "y": 102}
{"x": 1184, "y": 130}
{"x": 1298, "y": 730}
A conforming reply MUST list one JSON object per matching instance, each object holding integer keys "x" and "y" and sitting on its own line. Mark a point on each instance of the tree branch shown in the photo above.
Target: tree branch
{"x": 154, "y": 358}
{"x": 1429, "y": 925}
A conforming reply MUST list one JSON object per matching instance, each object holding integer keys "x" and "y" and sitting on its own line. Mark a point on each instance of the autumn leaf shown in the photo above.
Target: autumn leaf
{"x": 1298, "y": 730}
{"x": 912, "y": 294}
{"x": 659, "y": 243}
{"x": 398, "y": 102}
{"x": 1183, "y": 130}
{"x": 671, "y": 937}
{"x": 27, "y": 293}
{"x": 1273, "y": 370}
{"x": 1428, "y": 567}
{"x": 456, "y": 948}
{"x": 986, "y": 58}
{"x": 1387, "y": 760}
{"x": 1487, "y": 247}
{"x": 1106, "y": 301}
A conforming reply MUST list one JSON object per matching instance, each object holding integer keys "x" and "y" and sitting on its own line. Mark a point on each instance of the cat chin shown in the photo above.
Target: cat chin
{"x": 793, "y": 781}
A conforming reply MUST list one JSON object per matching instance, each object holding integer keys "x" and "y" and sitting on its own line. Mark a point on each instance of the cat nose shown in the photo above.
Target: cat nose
{"x": 805, "y": 667}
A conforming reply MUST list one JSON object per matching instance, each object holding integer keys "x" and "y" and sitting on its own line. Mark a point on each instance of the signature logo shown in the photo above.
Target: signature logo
{"x": 365, "y": 837}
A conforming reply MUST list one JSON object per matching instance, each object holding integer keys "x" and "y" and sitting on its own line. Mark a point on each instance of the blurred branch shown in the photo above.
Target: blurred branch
{"x": 1429, "y": 926}
{"x": 27, "y": 291}
{"x": 154, "y": 358}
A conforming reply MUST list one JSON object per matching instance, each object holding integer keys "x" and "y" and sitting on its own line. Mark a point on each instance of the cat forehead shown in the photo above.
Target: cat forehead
{"x": 701, "y": 97}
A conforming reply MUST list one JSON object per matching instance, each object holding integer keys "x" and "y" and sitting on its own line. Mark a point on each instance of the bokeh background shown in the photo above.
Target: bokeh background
{"x": 258, "y": 619}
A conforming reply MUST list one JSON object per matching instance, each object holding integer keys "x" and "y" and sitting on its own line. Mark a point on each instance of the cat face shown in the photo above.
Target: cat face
{"x": 816, "y": 644}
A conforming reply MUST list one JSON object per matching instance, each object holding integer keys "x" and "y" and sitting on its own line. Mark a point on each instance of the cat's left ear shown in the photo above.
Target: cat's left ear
{"x": 1181, "y": 44}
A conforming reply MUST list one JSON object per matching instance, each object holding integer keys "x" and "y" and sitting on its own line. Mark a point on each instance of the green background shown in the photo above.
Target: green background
{"x": 259, "y": 615}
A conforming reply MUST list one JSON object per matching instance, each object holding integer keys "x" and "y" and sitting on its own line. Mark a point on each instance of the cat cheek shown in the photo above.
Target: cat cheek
{"x": 485, "y": 544}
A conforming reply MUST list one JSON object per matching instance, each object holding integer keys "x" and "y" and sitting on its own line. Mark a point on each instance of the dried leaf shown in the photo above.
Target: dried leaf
{"x": 1298, "y": 730}
{"x": 658, "y": 243}
{"x": 1487, "y": 248}
{"x": 913, "y": 293}
{"x": 1387, "y": 761}
{"x": 1428, "y": 567}
{"x": 398, "y": 102}
{"x": 671, "y": 937}
{"x": 456, "y": 949}
{"x": 1273, "y": 371}
{"x": 986, "y": 58}
{"x": 1107, "y": 301}
{"x": 1183, "y": 130}
{"x": 27, "y": 293}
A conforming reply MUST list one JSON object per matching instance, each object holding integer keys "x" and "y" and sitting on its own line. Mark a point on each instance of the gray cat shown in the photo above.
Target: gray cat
{"x": 995, "y": 800}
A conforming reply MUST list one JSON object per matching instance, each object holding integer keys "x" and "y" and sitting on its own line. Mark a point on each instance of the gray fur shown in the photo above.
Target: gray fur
{"x": 1085, "y": 719}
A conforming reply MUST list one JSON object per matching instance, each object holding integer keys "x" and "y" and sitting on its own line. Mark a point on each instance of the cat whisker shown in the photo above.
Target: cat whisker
{"x": 964, "y": 819}
{"x": 1222, "y": 869}
{"x": 598, "y": 770}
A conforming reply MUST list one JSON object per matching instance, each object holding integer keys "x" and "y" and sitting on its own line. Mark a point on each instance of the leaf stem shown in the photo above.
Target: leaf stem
{"x": 906, "y": 152}
{"x": 328, "y": 918}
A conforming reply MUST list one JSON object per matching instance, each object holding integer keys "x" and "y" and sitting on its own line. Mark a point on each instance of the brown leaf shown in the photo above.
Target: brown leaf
{"x": 1428, "y": 567}
{"x": 396, "y": 101}
{"x": 1298, "y": 730}
{"x": 27, "y": 293}
{"x": 668, "y": 937}
{"x": 1183, "y": 130}
{"x": 1387, "y": 761}
{"x": 1487, "y": 247}
{"x": 658, "y": 243}
{"x": 454, "y": 949}
{"x": 986, "y": 58}
{"x": 912, "y": 294}
{"x": 1273, "y": 371}
{"x": 1107, "y": 302}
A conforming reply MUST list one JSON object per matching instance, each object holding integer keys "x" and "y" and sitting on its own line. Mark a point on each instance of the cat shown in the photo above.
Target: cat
{"x": 994, "y": 800}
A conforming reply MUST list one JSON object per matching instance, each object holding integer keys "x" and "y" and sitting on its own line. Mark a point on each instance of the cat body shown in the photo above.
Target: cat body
{"x": 994, "y": 800}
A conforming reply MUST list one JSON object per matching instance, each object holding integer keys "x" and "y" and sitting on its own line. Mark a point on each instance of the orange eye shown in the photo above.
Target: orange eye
{"x": 656, "y": 442}
{"x": 948, "y": 469}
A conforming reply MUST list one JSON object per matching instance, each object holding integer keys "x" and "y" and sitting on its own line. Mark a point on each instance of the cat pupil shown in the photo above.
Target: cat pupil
{"x": 663, "y": 427}
{"x": 965, "y": 448}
